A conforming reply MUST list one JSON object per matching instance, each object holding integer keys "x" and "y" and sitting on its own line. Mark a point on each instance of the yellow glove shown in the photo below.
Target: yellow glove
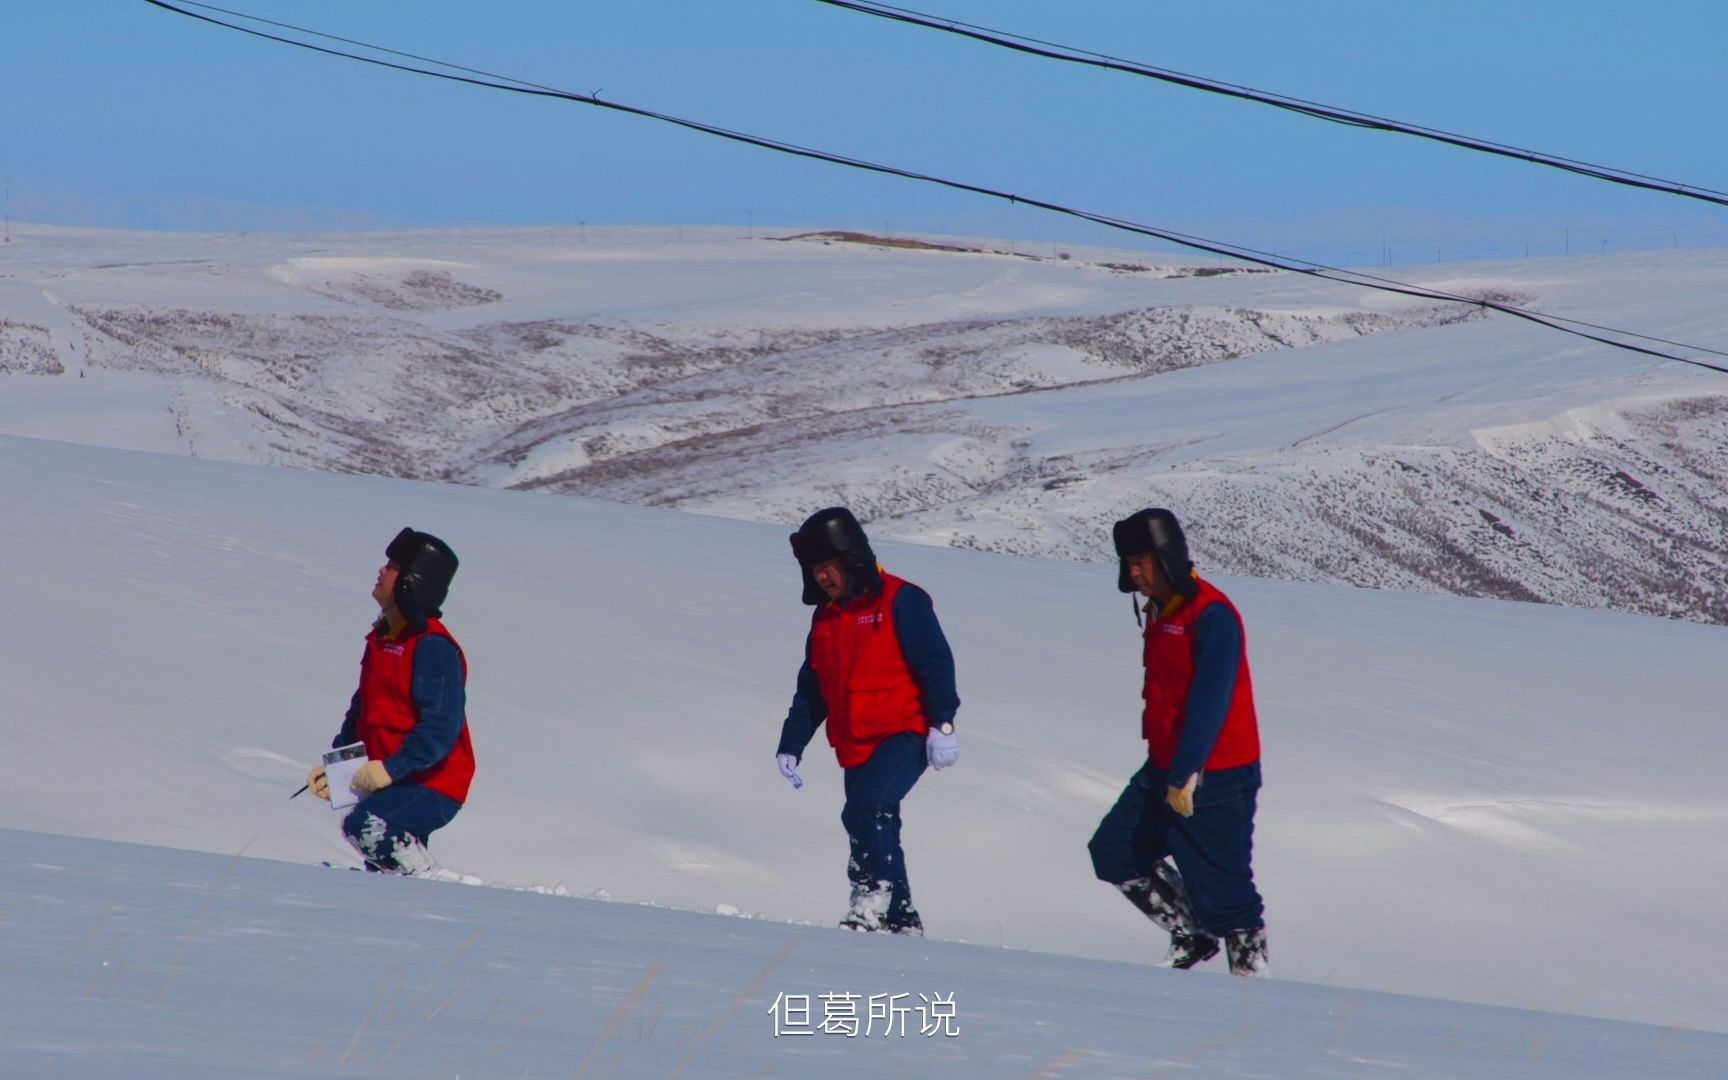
{"x": 373, "y": 776}
{"x": 319, "y": 783}
{"x": 1181, "y": 799}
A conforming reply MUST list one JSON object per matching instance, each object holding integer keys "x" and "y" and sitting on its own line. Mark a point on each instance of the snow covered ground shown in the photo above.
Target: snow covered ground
{"x": 1007, "y": 399}
{"x": 1489, "y": 802}
{"x": 163, "y": 965}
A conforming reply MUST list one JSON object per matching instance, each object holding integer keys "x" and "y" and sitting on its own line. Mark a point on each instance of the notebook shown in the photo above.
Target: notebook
{"x": 340, "y": 765}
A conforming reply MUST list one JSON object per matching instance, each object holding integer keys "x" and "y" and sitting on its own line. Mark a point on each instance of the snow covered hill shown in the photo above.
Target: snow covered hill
{"x": 987, "y": 399}
{"x": 1485, "y": 801}
{"x": 149, "y": 964}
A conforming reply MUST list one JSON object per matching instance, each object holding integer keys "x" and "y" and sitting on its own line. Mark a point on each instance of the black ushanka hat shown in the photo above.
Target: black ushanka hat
{"x": 1158, "y": 533}
{"x": 425, "y": 566}
{"x": 834, "y": 534}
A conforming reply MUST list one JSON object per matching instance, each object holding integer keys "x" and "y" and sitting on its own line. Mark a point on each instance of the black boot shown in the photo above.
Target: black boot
{"x": 902, "y": 918}
{"x": 1247, "y": 950}
{"x": 852, "y": 920}
{"x": 1161, "y": 898}
{"x": 868, "y": 912}
{"x": 1188, "y": 950}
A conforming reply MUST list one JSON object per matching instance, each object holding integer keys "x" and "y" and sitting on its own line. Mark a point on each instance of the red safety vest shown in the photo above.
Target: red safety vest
{"x": 388, "y": 713}
{"x": 1169, "y": 659}
{"x": 871, "y": 695}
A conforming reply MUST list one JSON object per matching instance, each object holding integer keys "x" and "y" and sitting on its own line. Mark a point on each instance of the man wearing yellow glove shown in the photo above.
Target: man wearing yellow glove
{"x": 410, "y": 711}
{"x": 1194, "y": 799}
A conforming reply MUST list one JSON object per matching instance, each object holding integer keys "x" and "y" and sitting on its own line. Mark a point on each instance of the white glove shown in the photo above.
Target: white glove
{"x": 789, "y": 769}
{"x": 943, "y": 750}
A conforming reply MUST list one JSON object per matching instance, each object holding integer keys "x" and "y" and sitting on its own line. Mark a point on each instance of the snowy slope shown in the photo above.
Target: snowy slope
{"x": 160, "y": 965}
{"x": 1485, "y": 801}
{"x": 988, "y": 399}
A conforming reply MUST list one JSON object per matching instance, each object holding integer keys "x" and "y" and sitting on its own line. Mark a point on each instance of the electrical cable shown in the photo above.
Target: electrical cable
{"x": 1216, "y": 247}
{"x": 1349, "y": 117}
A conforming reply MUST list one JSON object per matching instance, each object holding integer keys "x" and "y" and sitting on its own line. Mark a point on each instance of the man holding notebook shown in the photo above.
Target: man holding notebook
{"x": 409, "y": 713}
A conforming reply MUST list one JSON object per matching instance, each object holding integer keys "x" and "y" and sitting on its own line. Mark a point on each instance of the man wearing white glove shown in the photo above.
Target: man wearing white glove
{"x": 878, "y": 670}
{"x": 1193, "y": 800}
{"x": 942, "y": 746}
{"x": 789, "y": 769}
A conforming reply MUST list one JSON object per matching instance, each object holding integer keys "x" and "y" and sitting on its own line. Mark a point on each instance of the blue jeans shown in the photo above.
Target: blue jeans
{"x": 1213, "y": 850}
{"x": 389, "y": 828}
{"x": 872, "y": 819}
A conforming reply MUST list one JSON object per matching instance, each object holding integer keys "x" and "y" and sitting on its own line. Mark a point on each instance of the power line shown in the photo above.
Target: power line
{"x": 1216, "y": 247}
{"x": 1349, "y": 117}
{"x": 346, "y": 41}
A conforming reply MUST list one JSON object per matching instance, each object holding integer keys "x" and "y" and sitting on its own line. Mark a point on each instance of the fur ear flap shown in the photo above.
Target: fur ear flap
{"x": 813, "y": 594}
{"x": 425, "y": 567}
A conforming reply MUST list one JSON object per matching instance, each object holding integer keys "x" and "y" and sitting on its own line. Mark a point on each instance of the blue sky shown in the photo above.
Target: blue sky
{"x": 118, "y": 114}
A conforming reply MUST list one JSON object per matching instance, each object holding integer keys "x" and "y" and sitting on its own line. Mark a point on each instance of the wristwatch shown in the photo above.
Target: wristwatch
{"x": 945, "y": 728}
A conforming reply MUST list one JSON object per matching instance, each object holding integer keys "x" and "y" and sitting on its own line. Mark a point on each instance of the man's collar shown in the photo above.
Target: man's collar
{"x": 1171, "y": 606}
{"x": 381, "y": 627}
